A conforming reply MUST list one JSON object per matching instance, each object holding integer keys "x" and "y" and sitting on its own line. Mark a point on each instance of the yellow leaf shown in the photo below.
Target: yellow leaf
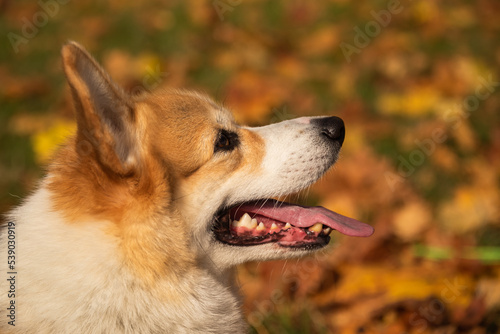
{"x": 414, "y": 103}
{"x": 46, "y": 142}
{"x": 411, "y": 283}
{"x": 470, "y": 208}
{"x": 425, "y": 11}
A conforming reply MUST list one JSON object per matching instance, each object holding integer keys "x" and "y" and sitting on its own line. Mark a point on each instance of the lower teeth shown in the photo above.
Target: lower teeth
{"x": 318, "y": 227}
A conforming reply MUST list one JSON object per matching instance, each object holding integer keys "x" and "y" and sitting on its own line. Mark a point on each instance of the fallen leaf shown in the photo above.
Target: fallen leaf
{"x": 412, "y": 220}
{"x": 46, "y": 142}
{"x": 417, "y": 102}
{"x": 470, "y": 208}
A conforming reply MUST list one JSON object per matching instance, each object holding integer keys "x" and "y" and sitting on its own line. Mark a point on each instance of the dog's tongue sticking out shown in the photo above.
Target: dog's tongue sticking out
{"x": 301, "y": 216}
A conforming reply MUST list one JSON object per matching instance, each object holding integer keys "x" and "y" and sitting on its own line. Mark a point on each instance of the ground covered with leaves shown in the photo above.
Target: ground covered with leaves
{"x": 417, "y": 84}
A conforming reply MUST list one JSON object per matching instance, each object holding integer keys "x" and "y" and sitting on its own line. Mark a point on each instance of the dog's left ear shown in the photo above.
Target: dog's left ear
{"x": 104, "y": 112}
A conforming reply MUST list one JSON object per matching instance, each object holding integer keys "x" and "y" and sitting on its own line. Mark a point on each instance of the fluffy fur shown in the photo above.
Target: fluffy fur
{"x": 118, "y": 237}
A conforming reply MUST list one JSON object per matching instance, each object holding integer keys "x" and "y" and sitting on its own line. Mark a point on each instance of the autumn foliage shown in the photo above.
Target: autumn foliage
{"x": 417, "y": 84}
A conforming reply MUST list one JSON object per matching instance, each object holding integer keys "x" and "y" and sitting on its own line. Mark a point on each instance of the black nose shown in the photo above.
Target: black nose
{"x": 331, "y": 127}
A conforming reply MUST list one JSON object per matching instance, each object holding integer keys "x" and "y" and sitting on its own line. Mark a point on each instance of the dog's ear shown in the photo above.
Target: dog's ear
{"x": 104, "y": 112}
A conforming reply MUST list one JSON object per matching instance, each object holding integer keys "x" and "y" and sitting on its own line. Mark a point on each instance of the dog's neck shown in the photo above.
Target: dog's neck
{"x": 80, "y": 262}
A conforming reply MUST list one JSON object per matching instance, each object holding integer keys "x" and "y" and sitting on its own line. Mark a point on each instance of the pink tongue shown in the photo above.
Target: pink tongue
{"x": 301, "y": 216}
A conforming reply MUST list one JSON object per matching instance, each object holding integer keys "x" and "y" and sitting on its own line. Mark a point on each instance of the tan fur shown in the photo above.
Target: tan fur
{"x": 81, "y": 188}
{"x": 136, "y": 191}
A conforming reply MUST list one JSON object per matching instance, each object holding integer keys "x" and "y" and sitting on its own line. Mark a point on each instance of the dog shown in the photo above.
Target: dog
{"x": 145, "y": 212}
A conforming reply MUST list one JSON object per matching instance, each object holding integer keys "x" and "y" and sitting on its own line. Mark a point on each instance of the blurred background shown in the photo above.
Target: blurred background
{"x": 417, "y": 83}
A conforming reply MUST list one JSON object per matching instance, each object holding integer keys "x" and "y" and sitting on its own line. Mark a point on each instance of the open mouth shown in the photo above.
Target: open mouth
{"x": 288, "y": 225}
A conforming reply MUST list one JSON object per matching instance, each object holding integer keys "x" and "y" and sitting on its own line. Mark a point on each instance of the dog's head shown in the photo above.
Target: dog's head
{"x": 174, "y": 170}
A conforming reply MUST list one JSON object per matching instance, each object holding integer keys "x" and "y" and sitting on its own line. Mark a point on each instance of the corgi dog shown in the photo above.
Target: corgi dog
{"x": 146, "y": 210}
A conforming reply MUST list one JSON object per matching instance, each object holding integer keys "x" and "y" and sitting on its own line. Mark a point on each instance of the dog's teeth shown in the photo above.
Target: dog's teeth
{"x": 327, "y": 231}
{"x": 274, "y": 227}
{"x": 260, "y": 227}
{"x": 316, "y": 228}
{"x": 253, "y": 223}
{"x": 246, "y": 221}
{"x": 287, "y": 226}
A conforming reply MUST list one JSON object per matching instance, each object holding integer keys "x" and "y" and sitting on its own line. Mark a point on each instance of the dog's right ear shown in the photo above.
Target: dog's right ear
{"x": 104, "y": 112}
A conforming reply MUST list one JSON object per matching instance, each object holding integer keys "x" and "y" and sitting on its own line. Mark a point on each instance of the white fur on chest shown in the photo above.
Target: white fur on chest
{"x": 72, "y": 279}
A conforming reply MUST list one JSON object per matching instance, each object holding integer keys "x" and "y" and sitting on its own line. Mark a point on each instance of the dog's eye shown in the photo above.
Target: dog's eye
{"x": 223, "y": 141}
{"x": 226, "y": 141}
